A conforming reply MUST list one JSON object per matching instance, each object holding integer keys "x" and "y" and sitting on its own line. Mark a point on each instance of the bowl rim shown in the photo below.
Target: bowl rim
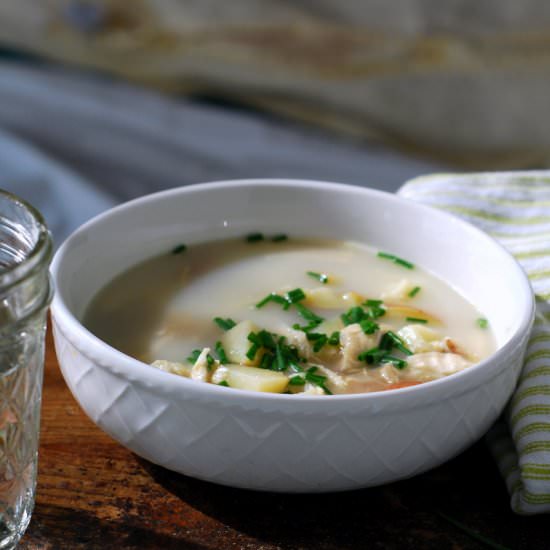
{"x": 106, "y": 356}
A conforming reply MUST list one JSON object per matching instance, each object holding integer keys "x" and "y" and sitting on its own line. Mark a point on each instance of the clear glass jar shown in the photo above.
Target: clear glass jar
{"x": 25, "y": 293}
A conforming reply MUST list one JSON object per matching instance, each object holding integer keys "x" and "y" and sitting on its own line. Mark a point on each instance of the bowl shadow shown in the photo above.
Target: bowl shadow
{"x": 389, "y": 514}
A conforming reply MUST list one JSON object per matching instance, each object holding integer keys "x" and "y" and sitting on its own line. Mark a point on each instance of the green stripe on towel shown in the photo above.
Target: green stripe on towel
{"x": 513, "y": 207}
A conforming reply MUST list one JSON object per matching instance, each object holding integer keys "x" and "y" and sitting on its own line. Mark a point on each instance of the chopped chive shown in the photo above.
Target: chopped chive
{"x": 279, "y": 363}
{"x": 314, "y": 336}
{"x": 357, "y": 314}
{"x": 179, "y": 249}
{"x": 395, "y": 260}
{"x": 319, "y": 340}
{"x": 297, "y": 381}
{"x": 403, "y": 263}
{"x": 194, "y": 356}
{"x": 416, "y": 320}
{"x": 295, "y": 295}
{"x": 318, "y": 345}
{"x": 224, "y": 383}
{"x": 386, "y": 342}
{"x": 266, "y": 339}
{"x": 267, "y": 361}
{"x": 321, "y": 277}
{"x": 353, "y": 315}
{"x": 414, "y": 291}
{"x": 371, "y": 356}
{"x": 368, "y": 326}
{"x": 395, "y": 361}
{"x": 398, "y": 343}
{"x": 334, "y": 338}
{"x": 306, "y": 328}
{"x": 224, "y": 324}
{"x": 282, "y": 356}
{"x": 254, "y": 237}
{"x": 482, "y": 323}
{"x": 256, "y": 345}
{"x": 221, "y": 352}
{"x": 279, "y": 238}
{"x": 317, "y": 379}
{"x": 376, "y": 356}
{"x": 252, "y": 351}
{"x": 263, "y": 301}
{"x": 307, "y": 314}
{"x": 272, "y": 298}
{"x": 295, "y": 367}
{"x": 376, "y": 311}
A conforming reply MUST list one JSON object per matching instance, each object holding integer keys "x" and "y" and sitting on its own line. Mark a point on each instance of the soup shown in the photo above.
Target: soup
{"x": 300, "y": 316}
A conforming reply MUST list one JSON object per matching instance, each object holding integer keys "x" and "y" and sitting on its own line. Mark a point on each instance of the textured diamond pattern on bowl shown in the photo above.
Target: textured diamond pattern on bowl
{"x": 356, "y": 450}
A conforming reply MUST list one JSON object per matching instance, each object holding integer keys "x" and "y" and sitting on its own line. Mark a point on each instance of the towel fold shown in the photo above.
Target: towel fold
{"x": 513, "y": 207}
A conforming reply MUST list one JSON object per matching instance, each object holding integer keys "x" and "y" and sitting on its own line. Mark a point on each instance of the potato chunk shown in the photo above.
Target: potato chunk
{"x": 327, "y": 298}
{"x": 236, "y": 344}
{"x": 254, "y": 379}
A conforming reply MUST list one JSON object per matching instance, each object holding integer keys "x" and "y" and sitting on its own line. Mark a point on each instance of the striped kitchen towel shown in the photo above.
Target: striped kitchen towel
{"x": 513, "y": 207}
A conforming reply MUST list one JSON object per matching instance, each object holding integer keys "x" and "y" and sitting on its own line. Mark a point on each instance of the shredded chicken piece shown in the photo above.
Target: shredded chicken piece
{"x": 364, "y": 380}
{"x": 200, "y": 370}
{"x": 421, "y": 339}
{"x": 389, "y": 373}
{"x": 327, "y": 355}
{"x": 353, "y": 341}
{"x": 335, "y": 382}
{"x": 312, "y": 389}
{"x": 220, "y": 374}
{"x": 432, "y": 365}
{"x": 172, "y": 366}
{"x": 298, "y": 339}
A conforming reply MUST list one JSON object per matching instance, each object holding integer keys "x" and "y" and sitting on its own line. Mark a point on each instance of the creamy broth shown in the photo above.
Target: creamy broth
{"x": 366, "y": 322}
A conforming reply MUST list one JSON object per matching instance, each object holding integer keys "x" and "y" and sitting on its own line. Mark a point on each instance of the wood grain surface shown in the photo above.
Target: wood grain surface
{"x": 93, "y": 493}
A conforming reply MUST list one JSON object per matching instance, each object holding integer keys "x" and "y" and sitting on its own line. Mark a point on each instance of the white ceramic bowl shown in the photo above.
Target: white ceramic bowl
{"x": 282, "y": 442}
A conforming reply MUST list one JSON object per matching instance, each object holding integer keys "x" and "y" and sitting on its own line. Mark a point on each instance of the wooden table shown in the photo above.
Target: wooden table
{"x": 93, "y": 493}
